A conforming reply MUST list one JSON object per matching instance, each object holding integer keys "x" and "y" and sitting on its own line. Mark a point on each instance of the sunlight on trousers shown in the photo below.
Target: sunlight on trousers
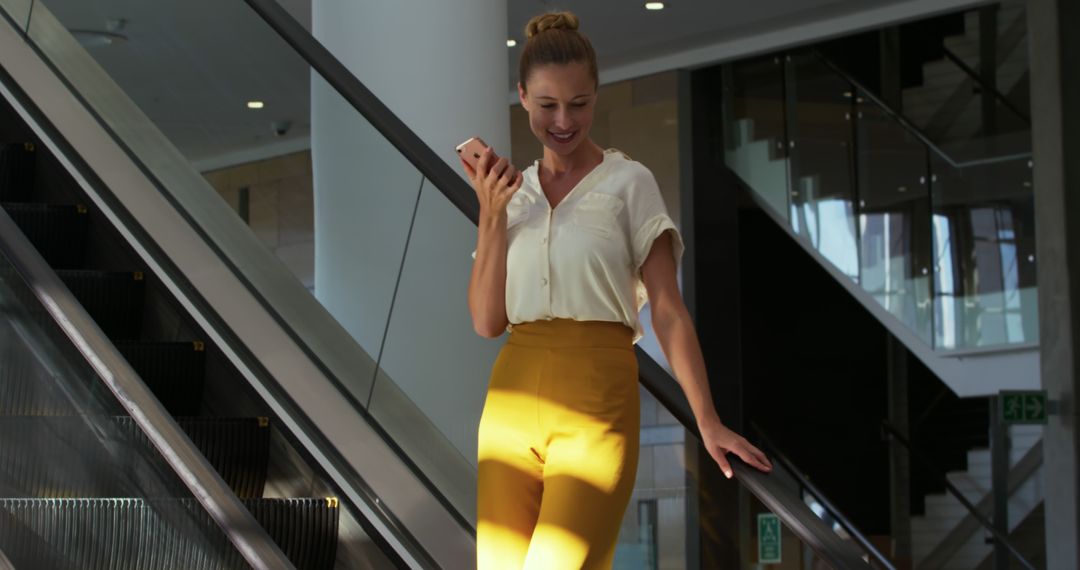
{"x": 558, "y": 446}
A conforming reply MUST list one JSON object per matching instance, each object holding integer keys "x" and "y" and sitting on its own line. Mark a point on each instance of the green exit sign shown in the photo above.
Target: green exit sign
{"x": 1023, "y": 407}
{"x": 769, "y": 536}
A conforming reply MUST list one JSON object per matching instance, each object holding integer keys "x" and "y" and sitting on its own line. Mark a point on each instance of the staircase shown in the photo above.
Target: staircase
{"x": 75, "y": 494}
{"x": 947, "y": 106}
{"x": 947, "y": 536}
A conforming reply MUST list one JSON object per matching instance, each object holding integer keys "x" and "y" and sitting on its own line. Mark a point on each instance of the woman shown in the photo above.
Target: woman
{"x": 567, "y": 252}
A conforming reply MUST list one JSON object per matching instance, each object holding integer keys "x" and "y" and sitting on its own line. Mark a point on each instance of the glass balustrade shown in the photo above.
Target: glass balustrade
{"x": 940, "y": 236}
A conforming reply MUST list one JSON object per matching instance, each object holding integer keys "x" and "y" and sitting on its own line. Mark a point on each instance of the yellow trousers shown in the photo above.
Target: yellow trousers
{"x": 558, "y": 446}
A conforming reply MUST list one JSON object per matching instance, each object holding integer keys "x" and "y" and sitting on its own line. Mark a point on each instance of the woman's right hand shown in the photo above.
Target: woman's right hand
{"x": 494, "y": 183}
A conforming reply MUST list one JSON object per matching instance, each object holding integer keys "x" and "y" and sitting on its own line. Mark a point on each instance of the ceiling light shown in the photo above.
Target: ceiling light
{"x": 112, "y": 34}
{"x": 91, "y": 38}
{"x": 255, "y": 105}
{"x": 654, "y": 5}
{"x": 511, "y": 42}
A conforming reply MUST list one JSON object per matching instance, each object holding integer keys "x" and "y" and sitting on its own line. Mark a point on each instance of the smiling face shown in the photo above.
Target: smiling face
{"x": 560, "y": 100}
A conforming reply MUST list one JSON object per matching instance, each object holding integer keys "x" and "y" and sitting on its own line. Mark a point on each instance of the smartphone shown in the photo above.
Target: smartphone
{"x": 471, "y": 150}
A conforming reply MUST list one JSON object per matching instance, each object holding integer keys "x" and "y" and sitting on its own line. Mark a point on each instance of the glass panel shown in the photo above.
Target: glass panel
{"x": 79, "y": 480}
{"x": 894, "y": 217}
{"x": 962, "y": 69}
{"x": 754, "y": 136}
{"x": 246, "y": 181}
{"x": 823, "y": 191}
{"x": 984, "y": 254}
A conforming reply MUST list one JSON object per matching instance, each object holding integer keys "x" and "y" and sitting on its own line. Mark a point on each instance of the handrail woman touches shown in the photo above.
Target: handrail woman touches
{"x": 568, "y": 250}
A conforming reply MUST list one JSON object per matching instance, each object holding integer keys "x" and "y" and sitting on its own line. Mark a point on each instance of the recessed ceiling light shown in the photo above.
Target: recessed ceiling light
{"x": 654, "y": 5}
{"x": 255, "y": 105}
{"x": 511, "y": 42}
{"x": 91, "y": 38}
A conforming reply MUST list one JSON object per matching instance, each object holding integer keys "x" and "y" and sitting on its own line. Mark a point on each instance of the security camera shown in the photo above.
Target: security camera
{"x": 281, "y": 127}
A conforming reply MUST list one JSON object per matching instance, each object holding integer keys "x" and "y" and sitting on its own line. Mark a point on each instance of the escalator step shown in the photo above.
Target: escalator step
{"x": 174, "y": 371}
{"x": 157, "y": 533}
{"x": 113, "y": 299}
{"x": 67, "y": 457}
{"x": 57, "y": 231}
{"x": 238, "y": 448}
{"x": 16, "y": 171}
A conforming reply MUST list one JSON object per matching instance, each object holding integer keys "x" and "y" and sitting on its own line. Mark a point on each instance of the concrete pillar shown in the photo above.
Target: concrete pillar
{"x": 442, "y": 67}
{"x": 1055, "y": 93}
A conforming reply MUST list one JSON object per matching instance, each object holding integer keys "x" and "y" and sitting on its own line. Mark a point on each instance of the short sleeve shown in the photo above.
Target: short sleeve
{"x": 649, "y": 218}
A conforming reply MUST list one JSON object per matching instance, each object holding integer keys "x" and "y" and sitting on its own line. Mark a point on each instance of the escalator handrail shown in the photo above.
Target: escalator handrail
{"x": 849, "y": 527}
{"x": 895, "y": 433}
{"x": 906, "y": 123}
{"x": 190, "y": 465}
{"x": 791, "y": 509}
{"x": 346, "y": 84}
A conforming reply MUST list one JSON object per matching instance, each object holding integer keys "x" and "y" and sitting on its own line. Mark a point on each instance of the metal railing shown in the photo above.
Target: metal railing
{"x": 804, "y": 483}
{"x": 1001, "y": 98}
{"x": 866, "y": 93}
{"x": 791, "y": 509}
{"x": 893, "y": 432}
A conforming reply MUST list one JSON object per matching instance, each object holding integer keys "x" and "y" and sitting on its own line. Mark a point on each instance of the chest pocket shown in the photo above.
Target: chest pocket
{"x": 598, "y": 214}
{"x": 517, "y": 210}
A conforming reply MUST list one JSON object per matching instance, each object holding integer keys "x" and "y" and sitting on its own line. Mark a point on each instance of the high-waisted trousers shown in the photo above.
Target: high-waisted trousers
{"x": 558, "y": 446}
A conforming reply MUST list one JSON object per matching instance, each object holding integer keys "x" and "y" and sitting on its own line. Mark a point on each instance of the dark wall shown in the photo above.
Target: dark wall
{"x": 814, "y": 370}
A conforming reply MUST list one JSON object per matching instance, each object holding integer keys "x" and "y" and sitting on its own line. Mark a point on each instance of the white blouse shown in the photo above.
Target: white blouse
{"x": 582, "y": 260}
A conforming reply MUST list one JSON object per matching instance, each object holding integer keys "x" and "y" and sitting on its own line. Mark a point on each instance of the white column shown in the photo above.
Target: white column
{"x": 442, "y": 68}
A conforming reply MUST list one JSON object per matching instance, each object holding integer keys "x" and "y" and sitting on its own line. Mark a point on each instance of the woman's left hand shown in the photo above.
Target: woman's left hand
{"x": 720, "y": 440}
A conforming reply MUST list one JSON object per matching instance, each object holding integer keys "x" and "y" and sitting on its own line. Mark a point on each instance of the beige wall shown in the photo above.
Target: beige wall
{"x": 280, "y": 206}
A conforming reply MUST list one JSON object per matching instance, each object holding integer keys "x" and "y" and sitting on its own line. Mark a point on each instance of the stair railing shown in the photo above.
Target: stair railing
{"x": 190, "y": 465}
{"x": 913, "y": 129}
{"x": 791, "y": 509}
{"x": 893, "y": 433}
{"x": 808, "y": 486}
{"x": 993, "y": 90}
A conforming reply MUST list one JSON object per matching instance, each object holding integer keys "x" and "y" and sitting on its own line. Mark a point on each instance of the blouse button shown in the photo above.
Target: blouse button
{"x": 543, "y": 281}
{"x": 543, "y": 241}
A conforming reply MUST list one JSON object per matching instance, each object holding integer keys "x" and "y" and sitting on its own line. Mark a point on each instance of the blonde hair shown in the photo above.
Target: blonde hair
{"x": 553, "y": 38}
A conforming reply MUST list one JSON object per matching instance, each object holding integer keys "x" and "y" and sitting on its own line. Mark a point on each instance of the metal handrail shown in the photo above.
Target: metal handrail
{"x": 791, "y": 509}
{"x": 906, "y": 123}
{"x": 984, "y": 85}
{"x": 204, "y": 482}
{"x": 411, "y": 146}
{"x": 971, "y": 508}
{"x": 780, "y": 457}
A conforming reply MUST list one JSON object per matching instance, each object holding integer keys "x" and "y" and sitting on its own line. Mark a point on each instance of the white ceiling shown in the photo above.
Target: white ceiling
{"x": 193, "y": 74}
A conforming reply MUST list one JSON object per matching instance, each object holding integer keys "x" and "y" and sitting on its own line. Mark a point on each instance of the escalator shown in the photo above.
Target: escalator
{"x": 173, "y": 395}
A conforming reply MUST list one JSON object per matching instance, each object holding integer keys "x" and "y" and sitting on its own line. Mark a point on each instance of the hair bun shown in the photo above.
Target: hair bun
{"x": 551, "y": 21}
